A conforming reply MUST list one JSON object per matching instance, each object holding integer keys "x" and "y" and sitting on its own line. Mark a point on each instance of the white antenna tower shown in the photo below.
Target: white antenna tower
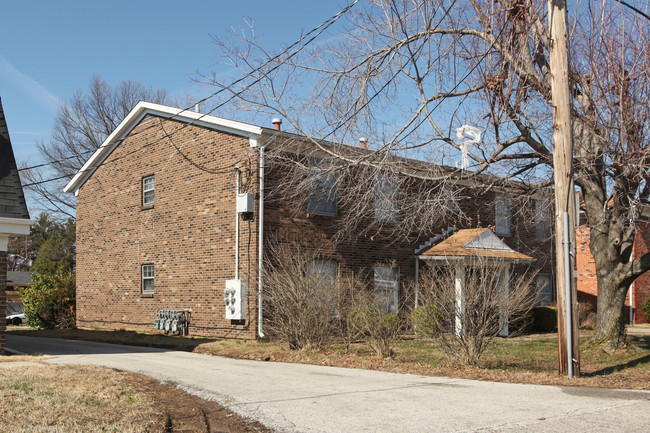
{"x": 470, "y": 136}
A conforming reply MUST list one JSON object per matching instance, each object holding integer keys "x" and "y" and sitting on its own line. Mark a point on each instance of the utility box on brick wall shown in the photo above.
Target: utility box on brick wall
{"x": 235, "y": 297}
{"x": 245, "y": 203}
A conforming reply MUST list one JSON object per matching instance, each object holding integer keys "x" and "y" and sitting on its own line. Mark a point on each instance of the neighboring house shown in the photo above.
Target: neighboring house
{"x": 15, "y": 281}
{"x": 588, "y": 284}
{"x": 14, "y": 217}
{"x": 158, "y": 225}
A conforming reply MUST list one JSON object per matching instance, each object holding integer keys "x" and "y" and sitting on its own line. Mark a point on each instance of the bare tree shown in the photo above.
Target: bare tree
{"x": 464, "y": 320}
{"x": 408, "y": 73}
{"x": 79, "y": 129}
{"x": 301, "y": 295}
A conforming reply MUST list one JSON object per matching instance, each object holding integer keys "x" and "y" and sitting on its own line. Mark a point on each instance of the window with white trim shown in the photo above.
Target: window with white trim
{"x": 386, "y": 194}
{"x": 387, "y": 288}
{"x": 542, "y": 219}
{"x": 323, "y": 272}
{"x": 503, "y": 215}
{"x": 148, "y": 187}
{"x": 147, "y": 279}
{"x": 544, "y": 289}
{"x": 322, "y": 197}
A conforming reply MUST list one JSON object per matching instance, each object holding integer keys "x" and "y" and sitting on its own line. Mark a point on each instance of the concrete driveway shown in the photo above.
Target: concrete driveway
{"x": 308, "y": 398}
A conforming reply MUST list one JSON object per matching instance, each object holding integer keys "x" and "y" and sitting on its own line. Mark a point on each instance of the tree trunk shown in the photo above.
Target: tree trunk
{"x": 610, "y": 321}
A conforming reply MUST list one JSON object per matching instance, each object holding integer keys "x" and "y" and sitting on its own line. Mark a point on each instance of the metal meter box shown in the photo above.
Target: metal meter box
{"x": 245, "y": 202}
{"x": 234, "y": 295}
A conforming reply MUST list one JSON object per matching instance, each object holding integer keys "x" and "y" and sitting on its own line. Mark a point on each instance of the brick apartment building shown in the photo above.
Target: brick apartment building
{"x": 158, "y": 225}
{"x": 14, "y": 217}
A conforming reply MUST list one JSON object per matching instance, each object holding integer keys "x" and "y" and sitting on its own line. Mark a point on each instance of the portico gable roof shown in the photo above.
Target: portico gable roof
{"x": 467, "y": 243}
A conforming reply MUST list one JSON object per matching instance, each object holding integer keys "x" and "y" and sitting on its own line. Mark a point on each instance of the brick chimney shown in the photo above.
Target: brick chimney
{"x": 276, "y": 123}
{"x": 363, "y": 142}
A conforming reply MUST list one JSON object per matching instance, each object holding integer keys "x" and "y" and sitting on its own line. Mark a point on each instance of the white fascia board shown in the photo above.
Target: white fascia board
{"x": 15, "y": 226}
{"x": 137, "y": 114}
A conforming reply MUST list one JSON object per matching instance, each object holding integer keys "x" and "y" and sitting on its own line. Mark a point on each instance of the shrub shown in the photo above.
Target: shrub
{"x": 426, "y": 320}
{"x": 300, "y": 302}
{"x": 50, "y": 301}
{"x": 544, "y": 319}
{"x": 379, "y": 330}
{"x": 645, "y": 306}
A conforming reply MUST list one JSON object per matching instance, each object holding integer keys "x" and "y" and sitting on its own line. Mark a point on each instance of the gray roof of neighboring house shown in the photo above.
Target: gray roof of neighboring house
{"x": 12, "y": 199}
{"x": 19, "y": 278}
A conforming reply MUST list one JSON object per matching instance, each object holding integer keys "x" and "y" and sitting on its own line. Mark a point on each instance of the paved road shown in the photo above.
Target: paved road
{"x": 307, "y": 398}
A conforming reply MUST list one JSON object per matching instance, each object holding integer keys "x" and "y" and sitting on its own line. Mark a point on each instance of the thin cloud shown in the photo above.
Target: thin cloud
{"x": 29, "y": 86}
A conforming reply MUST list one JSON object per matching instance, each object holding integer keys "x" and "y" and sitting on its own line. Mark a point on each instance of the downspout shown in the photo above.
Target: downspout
{"x": 260, "y": 258}
{"x": 417, "y": 279}
{"x": 238, "y": 180}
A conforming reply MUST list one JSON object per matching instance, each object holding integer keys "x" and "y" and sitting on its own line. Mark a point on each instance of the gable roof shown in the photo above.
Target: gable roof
{"x": 481, "y": 242}
{"x": 142, "y": 109}
{"x": 12, "y": 198}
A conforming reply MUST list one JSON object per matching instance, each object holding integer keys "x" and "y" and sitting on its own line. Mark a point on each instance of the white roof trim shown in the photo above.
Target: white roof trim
{"x": 142, "y": 109}
{"x": 15, "y": 226}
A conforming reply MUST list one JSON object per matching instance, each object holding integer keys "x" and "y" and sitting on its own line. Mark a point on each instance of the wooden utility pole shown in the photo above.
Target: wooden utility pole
{"x": 564, "y": 193}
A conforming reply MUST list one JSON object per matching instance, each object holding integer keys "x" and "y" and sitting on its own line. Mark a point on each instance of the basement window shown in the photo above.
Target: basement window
{"x": 147, "y": 279}
{"x": 148, "y": 187}
{"x": 387, "y": 288}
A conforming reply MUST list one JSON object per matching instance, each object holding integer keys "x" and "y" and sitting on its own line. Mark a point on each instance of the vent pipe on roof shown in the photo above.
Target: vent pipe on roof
{"x": 276, "y": 123}
{"x": 363, "y": 142}
{"x": 197, "y": 107}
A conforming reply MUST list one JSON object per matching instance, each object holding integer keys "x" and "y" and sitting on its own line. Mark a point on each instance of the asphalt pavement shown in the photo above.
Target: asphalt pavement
{"x": 309, "y": 398}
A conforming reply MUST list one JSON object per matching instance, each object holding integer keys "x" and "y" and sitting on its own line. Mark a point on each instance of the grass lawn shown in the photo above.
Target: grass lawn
{"x": 526, "y": 359}
{"x": 40, "y": 397}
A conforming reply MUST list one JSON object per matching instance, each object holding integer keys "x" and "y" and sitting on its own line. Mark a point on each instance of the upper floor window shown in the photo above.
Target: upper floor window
{"x": 148, "y": 187}
{"x": 322, "y": 197}
{"x": 386, "y": 194}
{"x": 323, "y": 272}
{"x": 542, "y": 219}
{"x": 147, "y": 279}
{"x": 503, "y": 215}
{"x": 387, "y": 288}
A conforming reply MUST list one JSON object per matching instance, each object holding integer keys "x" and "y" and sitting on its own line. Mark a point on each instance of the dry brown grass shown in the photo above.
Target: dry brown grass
{"x": 39, "y": 397}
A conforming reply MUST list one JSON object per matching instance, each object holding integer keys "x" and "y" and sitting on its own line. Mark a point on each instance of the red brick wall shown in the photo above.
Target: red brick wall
{"x": 3, "y": 300}
{"x": 641, "y": 286}
{"x": 587, "y": 283}
{"x": 188, "y": 234}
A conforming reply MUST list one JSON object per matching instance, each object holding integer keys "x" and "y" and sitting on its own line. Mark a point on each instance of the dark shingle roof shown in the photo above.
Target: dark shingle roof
{"x": 12, "y": 199}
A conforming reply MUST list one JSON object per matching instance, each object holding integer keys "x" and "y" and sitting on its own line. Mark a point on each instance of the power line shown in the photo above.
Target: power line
{"x": 318, "y": 30}
{"x": 638, "y": 11}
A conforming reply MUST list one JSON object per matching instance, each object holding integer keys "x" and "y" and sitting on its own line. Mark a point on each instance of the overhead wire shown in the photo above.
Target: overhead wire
{"x": 318, "y": 30}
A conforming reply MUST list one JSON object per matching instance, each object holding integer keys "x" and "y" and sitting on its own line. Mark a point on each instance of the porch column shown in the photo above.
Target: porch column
{"x": 417, "y": 279}
{"x": 460, "y": 302}
{"x": 504, "y": 282}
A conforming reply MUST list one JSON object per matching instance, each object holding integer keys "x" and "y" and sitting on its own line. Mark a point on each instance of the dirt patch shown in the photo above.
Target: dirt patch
{"x": 183, "y": 412}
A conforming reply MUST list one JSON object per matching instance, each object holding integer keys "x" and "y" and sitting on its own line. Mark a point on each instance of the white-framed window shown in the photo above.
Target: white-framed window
{"x": 503, "y": 215}
{"x": 148, "y": 187}
{"x": 322, "y": 197}
{"x": 544, "y": 289}
{"x": 323, "y": 271}
{"x": 147, "y": 279}
{"x": 387, "y": 288}
{"x": 542, "y": 219}
{"x": 386, "y": 194}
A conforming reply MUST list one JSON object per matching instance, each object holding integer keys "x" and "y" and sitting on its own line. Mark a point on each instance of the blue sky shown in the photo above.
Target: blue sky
{"x": 50, "y": 49}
